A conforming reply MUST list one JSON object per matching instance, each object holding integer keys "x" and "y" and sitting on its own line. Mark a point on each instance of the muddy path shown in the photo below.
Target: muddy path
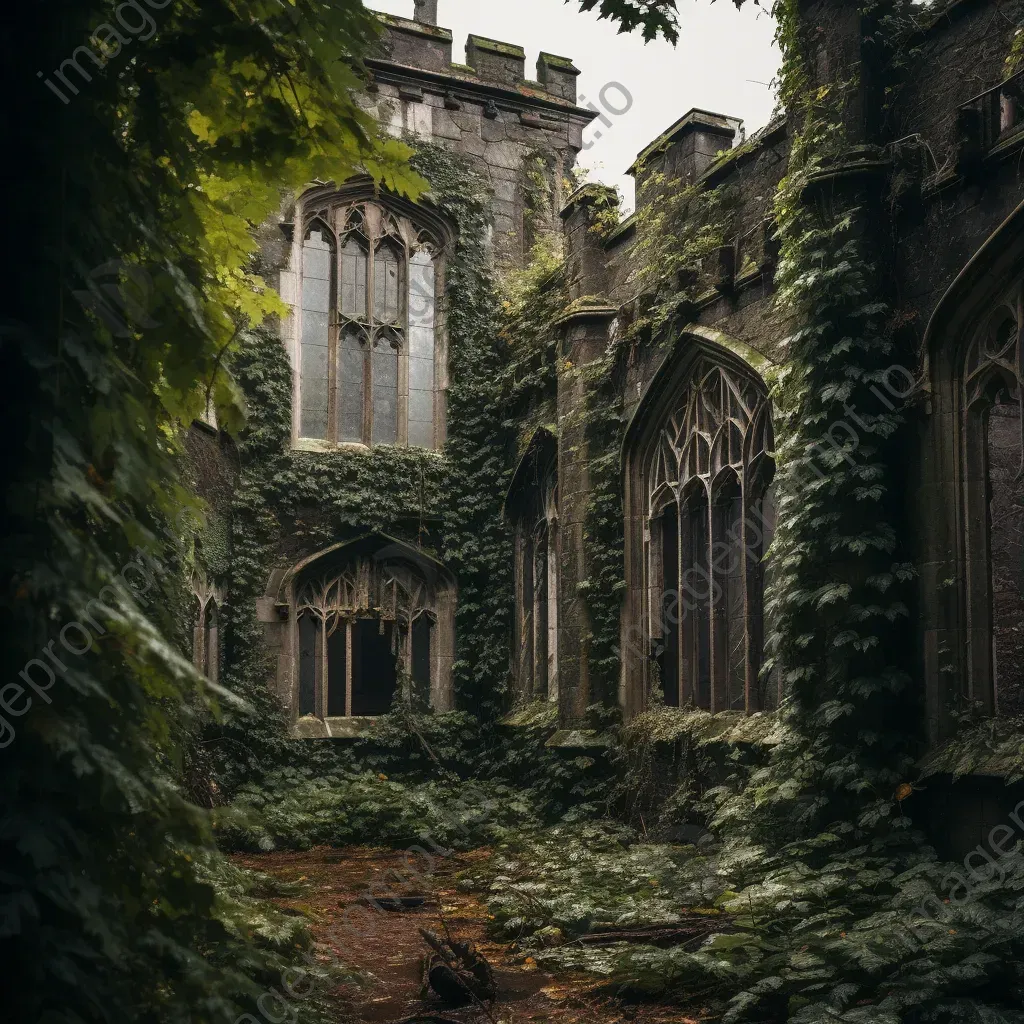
{"x": 386, "y": 948}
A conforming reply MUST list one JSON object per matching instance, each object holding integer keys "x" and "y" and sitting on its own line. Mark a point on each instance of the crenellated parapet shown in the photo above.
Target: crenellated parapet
{"x": 423, "y": 45}
{"x": 508, "y": 126}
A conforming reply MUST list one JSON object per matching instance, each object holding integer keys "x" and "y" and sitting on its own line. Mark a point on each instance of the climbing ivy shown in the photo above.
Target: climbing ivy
{"x": 289, "y": 503}
{"x": 139, "y": 192}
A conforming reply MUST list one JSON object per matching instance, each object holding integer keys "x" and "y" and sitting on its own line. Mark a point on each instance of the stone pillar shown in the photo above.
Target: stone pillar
{"x": 584, "y": 332}
{"x": 846, "y": 45}
{"x": 426, "y": 12}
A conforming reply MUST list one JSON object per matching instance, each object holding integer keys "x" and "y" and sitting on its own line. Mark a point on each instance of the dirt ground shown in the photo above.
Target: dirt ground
{"x": 386, "y": 949}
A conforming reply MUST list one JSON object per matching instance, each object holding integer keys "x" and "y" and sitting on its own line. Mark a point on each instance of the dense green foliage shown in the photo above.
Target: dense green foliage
{"x": 116, "y": 904}
{"x": 136, "y": 195}
{"x": 839, "y": 909}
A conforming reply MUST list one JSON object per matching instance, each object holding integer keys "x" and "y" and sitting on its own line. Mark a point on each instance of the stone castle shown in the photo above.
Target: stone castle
{"x": 365, "y": 276}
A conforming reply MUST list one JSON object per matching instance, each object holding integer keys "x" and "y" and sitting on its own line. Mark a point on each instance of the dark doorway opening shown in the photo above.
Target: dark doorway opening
{"x": 374, "y": 667}
{"x": 421, "y": 630}
{"x": 309, "y": 638}
{"x": 337, "y": 664}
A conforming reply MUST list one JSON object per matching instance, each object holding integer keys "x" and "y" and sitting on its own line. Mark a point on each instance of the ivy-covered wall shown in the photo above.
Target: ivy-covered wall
{"x": 569, "y": 342}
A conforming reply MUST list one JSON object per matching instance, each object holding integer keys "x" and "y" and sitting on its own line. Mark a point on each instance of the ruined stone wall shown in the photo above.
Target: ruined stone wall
{"x": 943, "y": 215}
{"x": 734, "y": 289}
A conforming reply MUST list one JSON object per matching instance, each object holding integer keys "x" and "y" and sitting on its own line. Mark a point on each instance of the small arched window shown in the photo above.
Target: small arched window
{"x": 371, "y": 619}
{"x": 206, "y": 630}
{"x": 369, "y": 361}
{"x": 531, "y": 508}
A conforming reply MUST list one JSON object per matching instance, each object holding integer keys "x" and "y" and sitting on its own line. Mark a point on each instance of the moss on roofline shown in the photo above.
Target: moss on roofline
{"x": 700, "y": 120}
{"x": 561, "y": 63}
{"x": 496, "y": 46}
{"x": 416, "y": 27}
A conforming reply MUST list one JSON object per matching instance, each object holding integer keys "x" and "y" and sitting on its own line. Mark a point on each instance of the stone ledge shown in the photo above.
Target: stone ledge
{"x": 580, "y": 739}
{"x": 312, "y": 728}
{"x": 539, "y": 714}
{"x": 497, "y": 47}
{"x": 416, "y": 28}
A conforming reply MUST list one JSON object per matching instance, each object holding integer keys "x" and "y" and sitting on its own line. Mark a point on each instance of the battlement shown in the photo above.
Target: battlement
{"x": 689, "y": 147}
{"x": 421, "y": 44}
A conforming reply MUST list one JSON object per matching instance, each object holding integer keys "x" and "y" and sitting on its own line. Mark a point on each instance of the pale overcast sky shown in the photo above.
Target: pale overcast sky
{"x": 723, "y": 62}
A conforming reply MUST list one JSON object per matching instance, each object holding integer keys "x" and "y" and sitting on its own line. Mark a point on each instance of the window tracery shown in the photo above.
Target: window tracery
{"x": 702, "y": 487}
{"x": 368, "y": 336}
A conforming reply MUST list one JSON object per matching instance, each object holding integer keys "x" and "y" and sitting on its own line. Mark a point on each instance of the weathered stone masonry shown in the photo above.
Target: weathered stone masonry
{"x": 935, "y": 174}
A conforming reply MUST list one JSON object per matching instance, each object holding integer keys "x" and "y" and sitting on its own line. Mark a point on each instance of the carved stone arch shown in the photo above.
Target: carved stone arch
{"x": 532, "y": 510}
{"x": 697, "y": 469}
{"x": 337, "y": 595}
{"x": 971, "y": 500}
{"x": 325, "y": 195}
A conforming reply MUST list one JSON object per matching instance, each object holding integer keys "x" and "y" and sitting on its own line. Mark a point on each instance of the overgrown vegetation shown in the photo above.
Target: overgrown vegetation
{"x": 805, "y": 866}
{"x": 137, "y": 198}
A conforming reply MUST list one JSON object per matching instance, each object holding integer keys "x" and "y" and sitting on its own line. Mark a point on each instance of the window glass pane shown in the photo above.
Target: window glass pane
{"x": 421, "y": 344}
{"x": 421, "y": 406}
{"x": 314, "y": 376}
{"x": 421, "y": 290}
{"x": 316, "y": 290}
{"x": 385, "y": 393}
{"x": 1006, "y": 544}
{"x": 353, "y": 279}
{"x": 421, "y": 434}
{"x": 388, "y": 277}
{"x": 351, "y": 365}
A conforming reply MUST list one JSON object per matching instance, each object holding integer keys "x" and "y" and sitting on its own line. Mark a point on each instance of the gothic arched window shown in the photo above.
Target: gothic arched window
{"x": 368, "y": 347}
{"x": 373, "y": 623}
{"x": 994, "y": 466}
{"x": 702, "y": 518}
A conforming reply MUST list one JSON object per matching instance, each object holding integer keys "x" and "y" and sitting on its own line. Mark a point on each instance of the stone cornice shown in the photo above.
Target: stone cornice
{"x": 525, "y": 97}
